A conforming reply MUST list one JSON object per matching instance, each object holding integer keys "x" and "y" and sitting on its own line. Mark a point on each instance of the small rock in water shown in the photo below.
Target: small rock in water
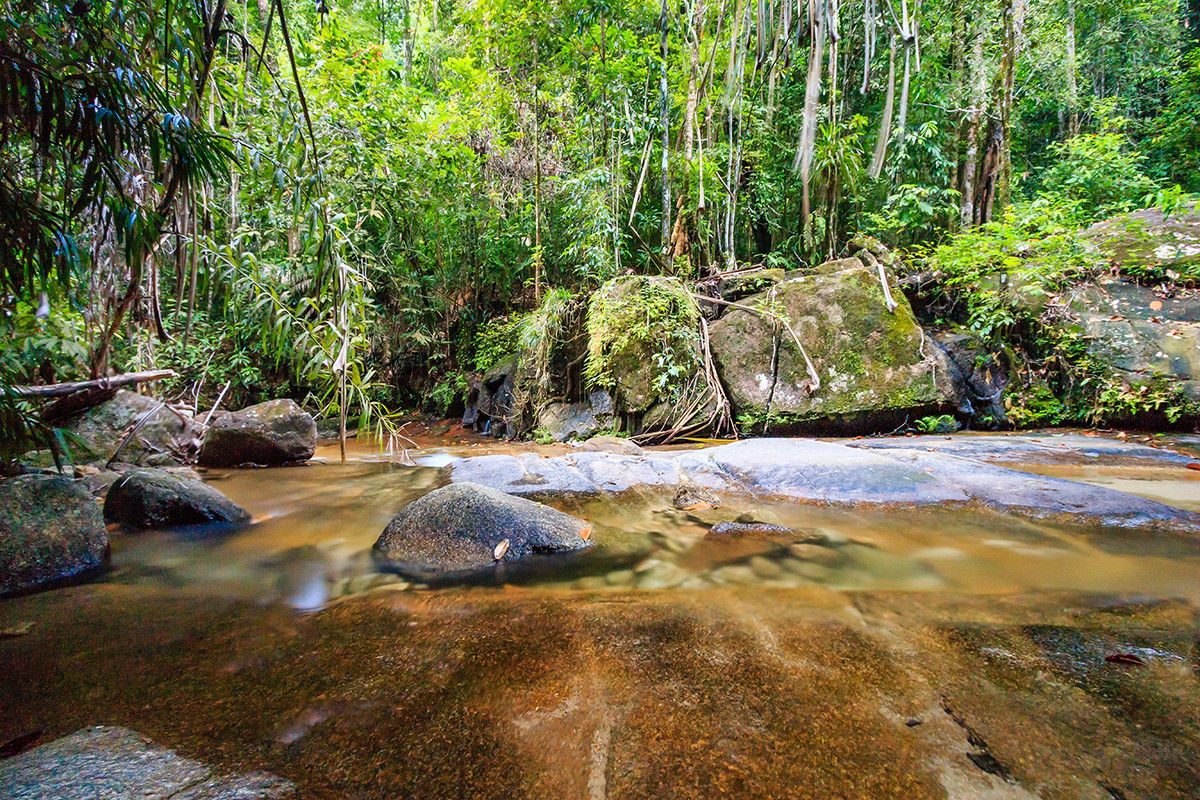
{"x": 663, "y": 575}
{"x": 765, "y": 567}
{"x": 622, "y": 577}
{"x": 745, "y": 528}
{"x": 736, "y": 575}
{"x": 692, "y": 497}
{"x": 813, "y": 552}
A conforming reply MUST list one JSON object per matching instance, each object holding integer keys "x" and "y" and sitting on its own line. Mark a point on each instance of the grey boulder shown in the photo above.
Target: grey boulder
{"x": 151, "y": 498}
{"x": 465, "y": 527}
{"x": 275, "y": 432}
{"x": 50, "y": 530}
{"x": 117, "y": 763}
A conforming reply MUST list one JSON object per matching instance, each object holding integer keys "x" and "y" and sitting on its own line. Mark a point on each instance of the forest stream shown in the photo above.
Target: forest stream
{"x": 921, "y": 653}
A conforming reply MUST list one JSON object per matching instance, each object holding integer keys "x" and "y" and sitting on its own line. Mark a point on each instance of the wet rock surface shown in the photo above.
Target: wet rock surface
{"x": 116, "y": 763}
{"x": 883, "y": 473}
{"x": 733, "y": 692}
{"x": 150, "y": 498}
{"x": 466, "y": 527}
{"x": 1032, "y": 448}
{"x": 50, "y": 530}
{"x": 275, "y": 432}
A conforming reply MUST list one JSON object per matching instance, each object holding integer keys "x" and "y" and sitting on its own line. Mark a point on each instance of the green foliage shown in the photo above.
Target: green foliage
{"x": 1099, "y": 174}
{"x": 631, "y": 318}
{"x": 37, "y": 349}
{"x": 943, "y": 424}
{"x": 1001, "y": 273}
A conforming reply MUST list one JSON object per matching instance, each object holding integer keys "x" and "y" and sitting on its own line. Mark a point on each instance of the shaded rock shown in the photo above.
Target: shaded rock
{"x": 1145, "y": 240}
{"x": 50, "y": 530}
{"x": 976, "y": 376}
{"x": 275, "y": 432}
{"x": 468, "y": 527}
{"x": 1139, "y": 335}
{"x": 875, "y": 366}
{"x": 565, "y": 421}
{"x": 116, "y": 763}
{"x": 491, "y": 401}
{"x": 164, "y": 438}
{"x": 150, "y": 498}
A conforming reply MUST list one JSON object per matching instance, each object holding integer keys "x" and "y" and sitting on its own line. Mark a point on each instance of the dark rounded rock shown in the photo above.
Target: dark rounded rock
{"x": 50, "y": 530}
{"x": 466, "y": 527}
{"x": 275, "y": 432}
{"x": 151, "y": 498}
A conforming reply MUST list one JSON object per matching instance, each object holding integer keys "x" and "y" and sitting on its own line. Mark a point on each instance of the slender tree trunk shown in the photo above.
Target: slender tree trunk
{"x": 1014, "y": 29}
{"x": 1072, "y": 73}
{"x": 666, "y": 132}
{"x": 973, "y": 132}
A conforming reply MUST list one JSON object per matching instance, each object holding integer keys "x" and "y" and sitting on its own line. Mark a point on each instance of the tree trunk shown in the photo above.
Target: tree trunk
{"x": 969, "y": 187}
{"x": 665, "y": 130}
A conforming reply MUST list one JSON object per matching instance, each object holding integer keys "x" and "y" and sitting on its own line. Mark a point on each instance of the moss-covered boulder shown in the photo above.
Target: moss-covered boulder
{"x": 874, "y": 365}
{"x": 164, "y": 437}
{"x": 275, "y": 432}
{"x": 1148, "y": 244}
{"x": 50, "y": 530}
{"x": 642, "y": 339}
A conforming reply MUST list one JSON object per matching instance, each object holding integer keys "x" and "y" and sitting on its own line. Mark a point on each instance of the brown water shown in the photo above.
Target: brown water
{"x": 915, "y": 654}
{"x": 315, "y": 525}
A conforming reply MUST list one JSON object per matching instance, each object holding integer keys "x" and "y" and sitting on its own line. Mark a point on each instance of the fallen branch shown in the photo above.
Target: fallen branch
{"x": 63, "y": 389}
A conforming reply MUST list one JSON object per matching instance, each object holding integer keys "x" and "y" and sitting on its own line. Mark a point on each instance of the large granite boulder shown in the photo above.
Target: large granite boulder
{"x": 1140, "y": 334}
{"x": 1148, "y": 243}
{"x": 50, "y": 530}
{"x": 152, "y": 498}
{"x": 165, "y": 437}
{"x": 465, "y": 528}
{"x": 876, "y": 367}
{"x": 275, "y": 432}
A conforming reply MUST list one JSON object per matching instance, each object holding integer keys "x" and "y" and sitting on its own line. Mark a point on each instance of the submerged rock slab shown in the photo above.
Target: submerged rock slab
{"x": 1068, "y": 448}
{"x": 1034, "y": 495}
{"x": 152, "y": 498}
{"x": 50, "y": 530}
{"x": 275, "y": 432}
{"x": 467, "y": 527}
{"x": 115, "y": 763}
{"x": 812, "y": 471}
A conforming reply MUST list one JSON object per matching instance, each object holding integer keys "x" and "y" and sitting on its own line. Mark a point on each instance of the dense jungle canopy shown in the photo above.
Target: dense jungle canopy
{"x": 359, "y": 202}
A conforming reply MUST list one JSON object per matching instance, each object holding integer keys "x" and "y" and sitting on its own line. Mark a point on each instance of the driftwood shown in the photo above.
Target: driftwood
{"x": 63, "y": 389}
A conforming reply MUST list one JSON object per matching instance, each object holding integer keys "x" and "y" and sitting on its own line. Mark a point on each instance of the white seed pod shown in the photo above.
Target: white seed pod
{"x": 500, "y": 550}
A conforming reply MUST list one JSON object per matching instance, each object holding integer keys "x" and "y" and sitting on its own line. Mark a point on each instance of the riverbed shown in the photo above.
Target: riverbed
{"x": 926, "y": 653}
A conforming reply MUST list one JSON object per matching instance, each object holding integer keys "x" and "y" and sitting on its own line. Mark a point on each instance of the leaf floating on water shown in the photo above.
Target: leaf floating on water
{"x": 500, "y": 550}
{"x": 1125, "y": 658}
{"x": 13, "y": 631}
{"x": 1194, "y": 465}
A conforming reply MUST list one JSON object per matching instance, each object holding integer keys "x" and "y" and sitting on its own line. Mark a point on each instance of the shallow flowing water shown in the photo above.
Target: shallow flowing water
{"x": 315, "y": 525}
{"x": 869, "y": 653}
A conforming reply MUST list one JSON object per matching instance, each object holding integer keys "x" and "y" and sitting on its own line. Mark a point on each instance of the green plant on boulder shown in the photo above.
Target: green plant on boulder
{"x": 642, "y": 339}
